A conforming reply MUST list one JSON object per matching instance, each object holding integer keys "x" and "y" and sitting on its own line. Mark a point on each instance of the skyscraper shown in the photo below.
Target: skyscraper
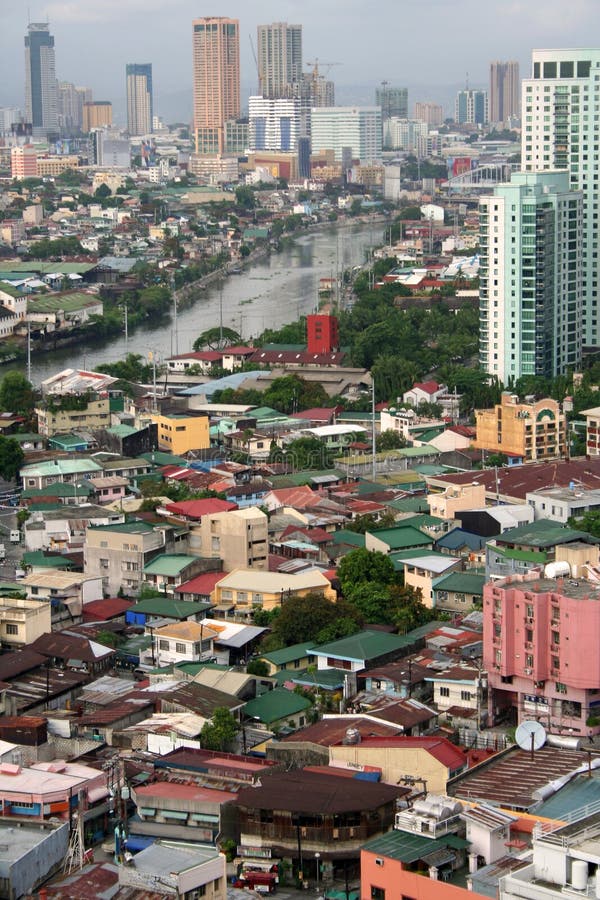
{"x": 139, "y": 98}
{"x": 279, "y": 53}
{"x": 471, "y": 108}
{"x": 40, "y": 80}
{"x": 530, "y": 276}
{"x": 216, "y": 72}
{"x": 70, "y": 106}
{"x": 393, "y": 101}
{"x": 274, "y": 123}
{"x": 431, "y": 113}
{"x": 356, "y": 129}
{"x": 560, "y": 105}
{"x": 505, "y": 91}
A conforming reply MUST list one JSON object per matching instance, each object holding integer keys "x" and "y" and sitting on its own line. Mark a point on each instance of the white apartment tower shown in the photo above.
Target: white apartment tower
{"x": 530, "y": 291}
{"x": 561, "y": 130}
{"x": 357, "y": 128}
{"x": 274, "y": 124}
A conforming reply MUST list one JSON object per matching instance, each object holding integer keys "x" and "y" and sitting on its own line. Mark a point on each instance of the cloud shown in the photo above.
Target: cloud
{"x": 94, "y": 12}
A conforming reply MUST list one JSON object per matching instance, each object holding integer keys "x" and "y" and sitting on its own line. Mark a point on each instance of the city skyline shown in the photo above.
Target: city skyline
{"x": 349, "y": 39}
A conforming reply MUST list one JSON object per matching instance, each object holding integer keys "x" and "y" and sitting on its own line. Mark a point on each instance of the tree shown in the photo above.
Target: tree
{"x": 373, "y": 601}
{"x": 304, "y": 618}
{"x": 303, "y": 454}
{"x": 409, "y": 610}
{"x": 132, "y": 368}
{"x": 220, "y": 732}
{"x": 368, "y": 522}
{"x": 102, "y": 192}
{"x": 16, "y": 394}
{"x": 244, "y": 197}
{"x": 11, "y": 458}
{"x": 389, "y": 440}
{"x": 589, "y": 522}
{"x": 216, "y": 338}
{"x": 365, "y": 565}
{"x": 257, "y": 667}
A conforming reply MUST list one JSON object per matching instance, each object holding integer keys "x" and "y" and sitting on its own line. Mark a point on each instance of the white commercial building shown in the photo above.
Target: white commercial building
{"x": 561, "y": 130}
{"x": 403, "y": 134}
{"x": 530, "y": 292}
{"x": 274, "y": 124}
{"x": 355, "y": 127}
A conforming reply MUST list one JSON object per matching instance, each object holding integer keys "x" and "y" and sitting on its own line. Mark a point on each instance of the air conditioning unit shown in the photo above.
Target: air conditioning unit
{"x": 378, "y": 861}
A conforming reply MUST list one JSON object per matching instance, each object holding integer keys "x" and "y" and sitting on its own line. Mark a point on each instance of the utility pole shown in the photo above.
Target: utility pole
{"x": 126, "y": 329}
{"x": 29, "y": 351}
{"x": 373, "y": 436}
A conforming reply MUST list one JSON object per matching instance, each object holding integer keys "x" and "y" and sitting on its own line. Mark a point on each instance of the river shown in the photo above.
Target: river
{"x": 268, "y": 294}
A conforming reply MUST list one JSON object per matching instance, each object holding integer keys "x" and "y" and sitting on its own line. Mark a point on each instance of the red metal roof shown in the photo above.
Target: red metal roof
{"x": 195, "y": 509}
{"x": 517, "y": 481}
{"x": 101, "y": 610}
{"x": 430, "y": 387}
{"x": 202, "y": 584}
{"x": 440, "y": 748}
{"x": 191, "y": 792}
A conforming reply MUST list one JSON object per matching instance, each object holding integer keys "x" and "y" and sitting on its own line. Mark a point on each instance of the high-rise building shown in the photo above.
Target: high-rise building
{"x": 430, "y": 113}
{"x": 530, "y": 295}
{"x": 316, "y": 89}
{"x": 393, "y": 102}
{"x": 139, "y": 98}
{"x": 471, "y": 108}
{"x": 70, "y": 106}
{"x": 9, "y": 116}
{"x": 279, "y": 54}
{"x": 236, "y": 136}
{"x": 357, "y": 128}
{"x": 560, "y": 131}
{"x": 23, "y": 162}
{"x": 40, "y": 80}
{"x": 505, "y": 91}
{"x": 216, "y": 72}
{"x": 274, "y": 124}
{"x": 403, "y": 134}
{"x": 97, "y": 114}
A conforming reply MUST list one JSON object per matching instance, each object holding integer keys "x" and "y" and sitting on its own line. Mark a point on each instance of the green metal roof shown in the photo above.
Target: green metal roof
{"x": 544, "y": 533}
{"x": 68, "y": 441}
{"x": 288, "y": 654}
{"x": 122, "y": 430}
{"x": 169, "y": 564}
{"x": 72, "y": 302}
{"x": 411, "y": 504}
{"x": 158, "y": 458}
{"x": 8, "y": 288}
{"x": 39, "y": 559}
{"x": 581, "y": 791}
{"x": 460, "y": 582}
{"x": 423, "y": 520}
{"x": 275, "y": 705}
{"x": 135, "y": 527}
{"x": 365, "y": 645}
{"x": 402, "y": 536}
{"x": 343, "y": 536}
{"x": 59, "y": 489}
{"x": 192, "y": 669}
{"x": 324, "y": 679}
{"x": 299, "y": 478}
{"x": 170, "y": 609}
{"x": 47, "y": 268}
{"x": 525, "y": 555}
{"x": 407, "y": 847}
{"x": 60, "y": 467}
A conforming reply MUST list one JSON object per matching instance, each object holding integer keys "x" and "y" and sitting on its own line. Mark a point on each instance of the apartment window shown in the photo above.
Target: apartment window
{"x": 163, "y": 645}
{"x": 377, "y": 893}
{"x": 555, "y": 637}
{"x": 465, "y": 695}
{"x": 560, "y": 688}
{"x": 12, "y": 629}
{"x": 529, "y": 661}
{"x": 529, "y": 611}
{"x": 180, "y": 648}
{"x": 444, "y": 692}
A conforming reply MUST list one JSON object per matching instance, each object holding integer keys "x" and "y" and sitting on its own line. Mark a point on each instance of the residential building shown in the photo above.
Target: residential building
{"x": 70, "y": 107}
{"x": 522, "y": 431}
{"x": 277, "y": 709}
{"x": 23, "y": 162}
{"x": 458, "y": 591}
{"x": 178, "y": 433}
{"x": 279, "y": 54}
{"x": 431, "y": 113}
{"x": 421, "y": 572}
{"x": 562, "y": 504}
{"x": 348, "y": 130}
{"x": 424, "y": 392}
{"x": 180, "y": 869}
{"x": 517, "y": 550}
{"x": 64, "y": 414}
{"x": 139, "y": 98}
{"x": 97, "y": 114}
{"x": 393, "y": 102}
{"x": 558, "y": 133}
{"x": 592, "y": 431}
{"x": 22, "y": 620}
{"x": 531, "y": 277}
{"x": 216, "y": 80}
{"x": 455, "y": 498}
{"x": 274, "y": 124}
{"x": 238, "y": 537}
{"x": 183, "y": 642}
{"x": 40, "y": 475}
{"x": 53, "y": 790}
{"x": 167, "y": 571}
{"x": 539, "y": 637}
{"x": 245, "y": 590}
{"x": 236, "y": 136}
{"x": 404, "y": 134}
{"x": 505, "y": 92}
{"x": 33, "y": 853}
{"x": 296, "y": 657}
{"x": 360, "y": 651}
{"x": 335, "y": 816}
{"x": 118, "y": 553}
{"x": 40, "y": 80}
{"x": 471, "y": 107}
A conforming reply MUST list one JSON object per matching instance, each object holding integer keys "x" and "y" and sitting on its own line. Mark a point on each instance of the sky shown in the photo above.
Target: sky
{"x": 428, "y": 45}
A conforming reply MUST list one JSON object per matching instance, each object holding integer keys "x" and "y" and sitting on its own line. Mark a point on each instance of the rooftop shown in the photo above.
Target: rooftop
{"x": 407, "y": 847}
{"x": 169, "y": 564}
{"x": 275, "y": 705}
{"x": 364, "y": 646}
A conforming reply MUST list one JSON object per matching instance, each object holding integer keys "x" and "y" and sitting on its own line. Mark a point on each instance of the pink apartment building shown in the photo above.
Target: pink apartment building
{"x": 541, "y": 641}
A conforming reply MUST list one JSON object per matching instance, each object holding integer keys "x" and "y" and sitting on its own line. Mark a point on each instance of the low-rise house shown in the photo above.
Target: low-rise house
{"x": 424, "y": 392}
{"x": 199, "y": 589}
{"x": 360, "y": 651}
{"x": 459, "y": 693}
{"x": 168, "y": 570}
{"x": 23, "y": 620}
{"x": 42, "y": 474}
{"x": 454, "y": 498}
{"x": 164, "y": 610}
{"x": 245, "y": 590}
{"x": 296, "y": 657}
{"x": 181, "y": 432}
{"x": 181, "y": 869}
{"x": 277, "y": 710}
{"x": 182, "y": 642}
{"x": 65, "y": 591}
{"x": 109, "y": 488}
{"x": 238, "y": 537}
{"x": 562, "y": 504}
{"x": 32, "y": 854}
{"x": 400, "y": 537}
{"x": 59, "y": 312}
{"x": 458, "y": 591}
{"x": 420, "y": 572}
{"x": 118, "y": 553}
{"x": 74, "y": 652}
{"x": 63, "y": 529}
{"x": 518, "y": 550}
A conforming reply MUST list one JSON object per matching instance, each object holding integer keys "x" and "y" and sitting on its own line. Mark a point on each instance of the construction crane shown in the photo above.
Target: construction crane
{"x": 315, "y": 68}
{"x": 255, "y": 62}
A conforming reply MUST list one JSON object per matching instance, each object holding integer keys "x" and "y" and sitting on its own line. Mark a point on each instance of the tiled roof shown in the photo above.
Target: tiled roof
{"x": 202, "y": 585}
{"x": 195, "y": 509}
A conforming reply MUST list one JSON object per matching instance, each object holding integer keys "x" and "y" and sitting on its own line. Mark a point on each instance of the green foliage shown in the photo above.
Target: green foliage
{"x": 294, "y": 333}
{"x": 132, "y": 368}
{"x": 216, "y": 338}
{"x": 11, "y": 458}
{"x": 66, "y": 246}
{"x": 305, "y": 619}
{"x": 102, "y": 192}
{"x": 304, "y": 453}
{"x": 16, "y": 394}
{"x": 389, "y": 440}
{"x": 110, "y": 639}
{"x": 589, "y": 522}
{"x": 363, "y": 565}
{"x": 257, "y": 667}
{"x": 356, "y": 207}
{"x": 244, "y": 197}
{"x": 290, "y": 393}
{"x": 409, "y": 609}
{"x": 220, "y": 732}
{"x": 368, "y": 522}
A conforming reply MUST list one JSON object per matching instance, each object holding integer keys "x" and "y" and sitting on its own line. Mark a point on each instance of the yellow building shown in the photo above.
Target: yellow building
{"x": 245, "y": 590}
{"x": 432, "y": 760}
{"x": 55, "y": 165}
{"x": 529, "y": 431}
{"x": 97, "y": 114}
{"x": 62, "y": 414}
{"x": 23, "y": 621}
{"x": 178, "y": 433}
{"x": 456, "y": 498}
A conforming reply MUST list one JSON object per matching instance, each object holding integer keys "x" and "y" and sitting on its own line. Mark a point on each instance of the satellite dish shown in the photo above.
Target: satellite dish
{"x": 530, "y": 735}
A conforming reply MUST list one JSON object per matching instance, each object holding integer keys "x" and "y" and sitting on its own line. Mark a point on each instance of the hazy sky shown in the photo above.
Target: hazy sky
{"x": 422, "y": 43}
